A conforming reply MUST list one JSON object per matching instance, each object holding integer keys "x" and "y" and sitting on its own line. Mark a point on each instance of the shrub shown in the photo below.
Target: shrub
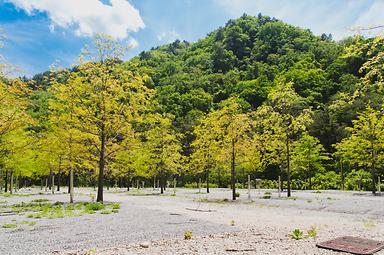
{"x": 297, "y": 234}
{"x": 353, "y": 178}
{"x": 188, "y": 235}
{"x": 329, "y": 180}
{"x": 237, "y": 194}
{"x": 94, "y": 206}
{"x": 312, "y": 232}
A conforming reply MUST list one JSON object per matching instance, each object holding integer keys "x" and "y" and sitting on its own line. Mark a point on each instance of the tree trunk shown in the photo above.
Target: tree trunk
{"x": 19, "y": 182}
{"x": 162, "y": 184}
{"x": 100, "y": 185}
{"x": 53, "y": 183}
{"x": 207, "y": 179}
{"x": 58, "y": 181}
{"x": 50, "y": 179}
{"x": 1, "y": 180}
{"x": 233, "y": 173}
{"x": 69, "y": 182}
{"x": 6, "y": 181}
{"x": 11, "y": 182}
{"x": 59, "y": 175}
{"x": 288, "y": 169}
{"x": 71, "y": 185}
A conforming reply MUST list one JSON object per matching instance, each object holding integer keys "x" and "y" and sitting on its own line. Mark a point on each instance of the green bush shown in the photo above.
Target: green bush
{"x": 297, "y": 234}
{"x": 329, "y": 180}
{"x": 240, "y": 186}
{"x": 94, "y": 206}
{"x": 353, "y": 178}
{"x": 188, "y": 235}
{"x": 268, "y": 184}
{"x": 203, "y": 185}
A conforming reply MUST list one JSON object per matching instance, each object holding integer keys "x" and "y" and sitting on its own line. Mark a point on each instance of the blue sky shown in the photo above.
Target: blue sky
{"x": 42, "y": 32}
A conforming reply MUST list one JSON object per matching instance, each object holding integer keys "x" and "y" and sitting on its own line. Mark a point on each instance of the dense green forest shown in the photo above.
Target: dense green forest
{"x": 257, "y": 96}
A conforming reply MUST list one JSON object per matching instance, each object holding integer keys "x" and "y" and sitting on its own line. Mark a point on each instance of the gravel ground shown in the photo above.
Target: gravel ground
{"x": 261, "y": 225}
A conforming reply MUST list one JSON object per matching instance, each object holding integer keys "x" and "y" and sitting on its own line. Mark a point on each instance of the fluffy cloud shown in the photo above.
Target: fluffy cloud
{"x": 330, "y": 16}
{"x": 87, "y": 17}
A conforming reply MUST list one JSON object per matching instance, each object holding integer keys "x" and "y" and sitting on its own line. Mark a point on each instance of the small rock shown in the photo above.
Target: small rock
{"x": 144, "y": 245}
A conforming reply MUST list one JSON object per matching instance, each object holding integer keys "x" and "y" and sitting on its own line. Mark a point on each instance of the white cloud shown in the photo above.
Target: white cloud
{"x": 168, "y": 36}
{"x": 330, "y": 16}
{"x": 87, "y": 17}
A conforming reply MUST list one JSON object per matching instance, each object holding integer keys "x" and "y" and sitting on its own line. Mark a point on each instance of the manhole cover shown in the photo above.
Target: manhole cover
{"x": 353, "y": 245}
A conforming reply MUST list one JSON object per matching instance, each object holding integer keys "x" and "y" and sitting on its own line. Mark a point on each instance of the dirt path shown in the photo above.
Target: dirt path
{"x": 261, "y": 226}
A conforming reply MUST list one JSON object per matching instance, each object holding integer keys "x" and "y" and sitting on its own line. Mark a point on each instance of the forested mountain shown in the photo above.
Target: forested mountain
{"x": 245, "y": 59}
{"x": 274, "y": 97}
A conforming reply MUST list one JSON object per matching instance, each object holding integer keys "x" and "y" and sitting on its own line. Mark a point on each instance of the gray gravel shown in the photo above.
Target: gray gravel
{"x": 261, "y": 224}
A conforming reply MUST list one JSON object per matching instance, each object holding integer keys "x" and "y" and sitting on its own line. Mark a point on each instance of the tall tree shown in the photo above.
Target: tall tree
{"x": 308, "y": 157}
{"x": 220, "y": 137}
{"x": 288, "y": 117}
{"x": 164, "y": 148}
{"x": 365, "y": 145}
{"x": 103, "y": 97}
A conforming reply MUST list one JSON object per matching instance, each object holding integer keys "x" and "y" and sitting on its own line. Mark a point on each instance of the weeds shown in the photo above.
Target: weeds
{"x": 312, "y": 232}
{"x": 12, "y": 225}
{"x": 40, "y": 200}
{"x": 187, "y": 235}
{"x": 267, "y": 195}
{"x": 56, "y": 210}
{"x": 297, "y": 234}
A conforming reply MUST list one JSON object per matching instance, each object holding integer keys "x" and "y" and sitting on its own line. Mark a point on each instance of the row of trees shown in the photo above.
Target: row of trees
{"x": 105, "y": 118}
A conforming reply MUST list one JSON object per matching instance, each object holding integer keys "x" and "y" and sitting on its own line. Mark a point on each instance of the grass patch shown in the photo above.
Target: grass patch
{"x": 267, "y": 195}
{"x": 29, "y": 223}
{"x": 56, "y": 210}
{"x": 94, "y": 206}
{"x": 12, "y": 225}
{"x": 40, "y": 200}
{"x": 216, "y": 201}
{"x": 115, "y": 206}
{"x": 14, "y": 195}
